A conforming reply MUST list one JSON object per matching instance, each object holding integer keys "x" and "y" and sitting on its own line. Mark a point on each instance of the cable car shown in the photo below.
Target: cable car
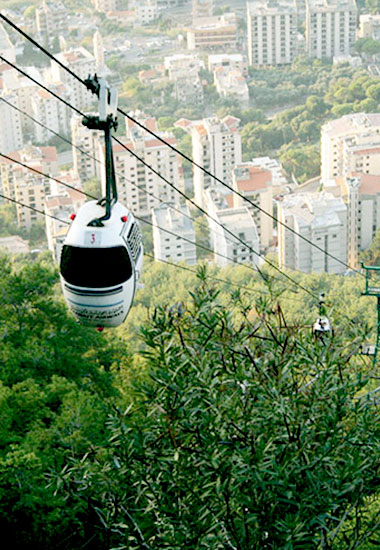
{"x": 100, "y": 266}
{"x": 322, "y": 326}
{"x": 102, "y": 256}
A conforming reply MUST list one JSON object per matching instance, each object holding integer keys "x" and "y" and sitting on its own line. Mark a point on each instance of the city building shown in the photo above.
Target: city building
{"x": 189, "y": 90}
{"x": 52, "y": 114}
{"x": 230, "y": 83}
{"x": 233, "y": 220}
{"x": 105, "y": 5}
{"x": 274, "y": 166}
{"x": 139, "y": 186}
{"x": 255, "y": 184}
{"x": 83, "y": 64}
{"x": 330, "y": 27}
{"x": 228, "y": 61}
{"x": 369, "y": 26}
{"x": 146, "y": 12}
{"x": 213, "y": 32}
{"x": 182, "y": 65}
{"x": 202, "y": 8}
{"x": 272, "y": 32}
{"x": 320, "y": 218}
{"x": 350, "y": 144}
{"x": 51, "y": 19}
{"x": 88, "y": 141}
{"x": 98, "y": 47}
{"x": 172, "y": 247}
{"x": 30, "y": 190}
{"x": 11, "y": 136}
{"x": 216, "y": 145}
{"x": 58, "y": 209}
{"x": 7, "y": 49}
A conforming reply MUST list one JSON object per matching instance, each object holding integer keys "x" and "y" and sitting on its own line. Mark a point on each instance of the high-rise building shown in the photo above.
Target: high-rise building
{"x": 216, "y": 146}
{"x": 83, "y": 64}
{"x": 255, "y": 183}
{"x": 350, "y": 144}
{"x": 272, "y": 32}
{"x": 97, "y": 42}
{"x": 50, "y": 112}
{"x": 135, "y": 180}
{"x": 51, "y": 19}
{"x": 88, "y": 141}
{"x": 202, "y": 8}
{"x": 7, "y": 49}
{"x": 11, "y": 137}
{"x": 330, "y": 27}
{"x": 320, "y": 218}
{"x": 171, "y": 247}
{"x": 239, "y": 221}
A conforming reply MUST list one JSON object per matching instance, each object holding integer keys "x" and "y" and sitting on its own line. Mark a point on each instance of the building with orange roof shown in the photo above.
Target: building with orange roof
{"x": 255, "y": 184}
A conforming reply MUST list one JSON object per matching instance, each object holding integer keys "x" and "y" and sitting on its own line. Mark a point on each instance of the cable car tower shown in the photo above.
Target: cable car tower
{"x": 372, "y": 288}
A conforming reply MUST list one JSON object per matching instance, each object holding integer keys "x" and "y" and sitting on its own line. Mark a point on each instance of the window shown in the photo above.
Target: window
{"x": 95, "y": 267}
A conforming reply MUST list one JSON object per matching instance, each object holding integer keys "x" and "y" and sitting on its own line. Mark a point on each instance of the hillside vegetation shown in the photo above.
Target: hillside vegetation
{"x": 218, "y": 424}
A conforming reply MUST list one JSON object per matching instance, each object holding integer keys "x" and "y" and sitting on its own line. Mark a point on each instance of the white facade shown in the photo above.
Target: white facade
{"x": 349, "y": 144}
{"x": 236, "y": 220}
{"x": 98, "y": 46}
{"x": 172, "y": 247}
{"x": 369, "y": 26}
{"x": 217, "y": 147}
{"x": 213, "y": 32}
{"x": 272, "y": 32}
{"x": 182, "y": 65}
{"x": 7, "y": 50}
{"x": 83, "y": 64}
{"x": 231, "y": 83}
{"x": 146, "y": 12}
{"x": 228, "y": 61}
{"x": 275, "y": 168}
{"x": 322, "y": 219}
{"x": 330, "y": 27}
{"x": 50, "y": 112}
{"x": 135, "y": 180}
{"x": 11, "y": 137}
{"x": 255, "y": 184}
{"x": 89, "y": 141}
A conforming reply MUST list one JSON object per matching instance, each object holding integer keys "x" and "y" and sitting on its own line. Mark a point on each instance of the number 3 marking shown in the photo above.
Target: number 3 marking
{"x": 92, "y": 238}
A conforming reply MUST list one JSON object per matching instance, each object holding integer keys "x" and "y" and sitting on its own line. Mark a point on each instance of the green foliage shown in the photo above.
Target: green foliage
{"x": 367, "y": 46}
{"x": 371, "y": 256}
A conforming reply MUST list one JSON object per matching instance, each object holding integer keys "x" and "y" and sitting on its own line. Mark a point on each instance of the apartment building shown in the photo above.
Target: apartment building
{"x": 7, "y": 49}
{"x": 98, "y": 47}
{"x": 230, "y": 83}
{"x": 274, "y": 166}
{"x": 350, "y": 144}
{"x": 136, "y": 182}
{"x": 51, "y": 113}
{"x": 236, "y": 220}
{"x": 321, "y": 218}
{"x": 83, "y": 64}
{"x": 30, "y": 190}
{"x": 235, "y": 61}
{"x": 181, "y": 65}
{"x": 330, "y": 27}
{"x": 272, "y": 32}
{"x": 88, "y": 141}
{"x": 202, "y": 8}
{"x": 172, "y": 247}
{"x": 51, "y": 19}
{"x": 219, "y": 32}
{"x": 255, "y": 184}
{"x": 11, "y": 136}
{"x": 216, "y": 145}
{"x": 369, "y": 26}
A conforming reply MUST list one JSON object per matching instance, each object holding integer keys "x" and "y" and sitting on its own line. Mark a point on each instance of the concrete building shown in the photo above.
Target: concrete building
{"x": 105, "y": 5}
{"x": 170, "y": 247}
{"x": 213, "y": 32}
{"x": 97, "y": 42}
{"x": 369, "y": 26}
{"x": 11, "y": 136}
{"x": 7, "y": 49}
{"x": 236, "y": 220}
{"x": 182, "y": 65}
{"x": 230, "y": 83}
{"x": 61, "y": 206}
{"x": 255, "y": 184}
{"x": 51, "y": 113}
{"x": 322, "y": 219}
{"x": 89, "y": 141}
{"x": 51, "y": 19}
{"x": 30, "y": 190}
{"x": 350, "y": 144}
{"x": 146, "y": 12}
{"x": 201, "y": 9}
{"x": 228, "y": 61}
{"x": 330, "y": 27}
{"x": 272, "y": 32}
{"x": 274, "y": 166}
{"x": 189, "y": 90}
{"x": 83, "y": 64}
{"x": 135, "y": 180}
{"x": 216, "y": 145}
